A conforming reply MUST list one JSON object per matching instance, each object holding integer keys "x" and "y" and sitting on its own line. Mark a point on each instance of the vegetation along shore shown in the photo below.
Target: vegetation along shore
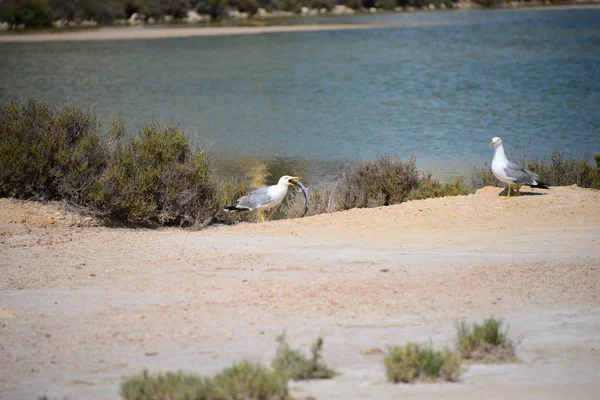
{"x": 156, "y": 177}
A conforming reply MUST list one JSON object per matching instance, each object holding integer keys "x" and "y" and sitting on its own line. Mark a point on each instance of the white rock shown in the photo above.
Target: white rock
{"x": 193, "y": 17}
{"x": 342, "y": 10}
{"x": 304, "y": 11}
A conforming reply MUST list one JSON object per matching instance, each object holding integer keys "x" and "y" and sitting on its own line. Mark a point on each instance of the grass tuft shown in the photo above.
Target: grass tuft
{"x": 243, "y": 380}
{"x": 485, "y": 342}
{"x": 411, "y": 363}
{"x": 294, "y": 364}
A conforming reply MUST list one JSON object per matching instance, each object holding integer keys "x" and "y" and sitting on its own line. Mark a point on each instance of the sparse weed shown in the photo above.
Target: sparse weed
{"x": 294, "y": 364}
{"x": 430, "y": 187}
{"x": 410, "y": 363}
{"x": 243, "y": 380}
{"x": 484, "y": 342}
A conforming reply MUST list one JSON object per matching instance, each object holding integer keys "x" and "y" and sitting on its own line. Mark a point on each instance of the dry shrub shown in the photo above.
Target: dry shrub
{"x": 48, "y": 153}
{"x": 381, "y": 182}
{"x": 485, "y": 342}
{"x": 297, "y": 366}
{"x": 156, "y": 177}
{"x": 243, "y": 380}
{"x": 555, "y": 170}
{"x": 384, "y": 181}
{"x": 480, "y": 177}
{"x": 411, "y": 363}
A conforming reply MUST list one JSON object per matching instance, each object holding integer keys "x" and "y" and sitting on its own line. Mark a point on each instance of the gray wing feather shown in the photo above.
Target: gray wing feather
{"x": 256, "y": 198}
{"x": 520, "y": 175}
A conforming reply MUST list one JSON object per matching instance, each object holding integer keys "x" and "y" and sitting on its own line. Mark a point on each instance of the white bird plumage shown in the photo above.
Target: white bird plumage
{"x": 264, "y": 198}
{"x": 510, "y": 173}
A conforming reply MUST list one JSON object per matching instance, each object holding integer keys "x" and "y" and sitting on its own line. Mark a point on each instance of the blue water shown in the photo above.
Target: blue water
{"x": 439, "y": 91}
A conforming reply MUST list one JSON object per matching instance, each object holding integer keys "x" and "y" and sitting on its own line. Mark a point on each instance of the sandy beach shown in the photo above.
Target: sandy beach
{"x": 83, "y": 305}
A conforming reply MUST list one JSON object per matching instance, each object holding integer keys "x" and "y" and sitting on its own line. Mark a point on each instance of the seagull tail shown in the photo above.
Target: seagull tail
{"x": 541, "y": 185}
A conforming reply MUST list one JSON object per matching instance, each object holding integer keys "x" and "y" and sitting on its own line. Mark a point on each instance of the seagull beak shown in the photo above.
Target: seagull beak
{"x": 491, "y": 143}
{"x": 292, "y": 179}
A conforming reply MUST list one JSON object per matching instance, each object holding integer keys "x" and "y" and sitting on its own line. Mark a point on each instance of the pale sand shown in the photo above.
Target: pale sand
{"x": 81, "y": 306}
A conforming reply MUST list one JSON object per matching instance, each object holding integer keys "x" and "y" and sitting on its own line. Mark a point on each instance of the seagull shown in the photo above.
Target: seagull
{"x": 265, "y": 198}
{"x": 509, "y": 172}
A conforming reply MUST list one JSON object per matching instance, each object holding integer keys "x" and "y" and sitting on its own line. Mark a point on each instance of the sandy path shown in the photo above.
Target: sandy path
{"x": 81, "y": 306}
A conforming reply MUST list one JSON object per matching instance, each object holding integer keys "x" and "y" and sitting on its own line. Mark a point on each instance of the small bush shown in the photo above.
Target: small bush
{"x": 430, "y": 187}
{"x": 156, "y": 177}
{"x": 297, "y": 366}
{"x": 48, "y": 153}
{"x": 243, "y": 380}
{"x": 485, "y": 342}
{"x": 381, "y": 182}
{"x": 410, "y": 363}
{"x": 558, "y": 171}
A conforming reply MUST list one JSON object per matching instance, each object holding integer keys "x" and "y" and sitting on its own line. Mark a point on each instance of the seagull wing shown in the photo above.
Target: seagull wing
{"x": 257, "y": 198}
{"x": 519, "y": 175}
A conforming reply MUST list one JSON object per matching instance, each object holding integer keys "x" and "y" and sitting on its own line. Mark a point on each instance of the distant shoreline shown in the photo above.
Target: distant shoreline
{"x": 114, "y": 33}
{"x": 180, "y": 32}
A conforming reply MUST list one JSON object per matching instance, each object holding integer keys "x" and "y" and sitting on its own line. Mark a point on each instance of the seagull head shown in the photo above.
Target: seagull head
{"x": 496, "y": 142}
{"x": 286, "y": 180}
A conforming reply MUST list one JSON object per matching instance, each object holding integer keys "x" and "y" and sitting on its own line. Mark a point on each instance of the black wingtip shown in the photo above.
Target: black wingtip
{"x": 542, "y": 185}
{"x": 235, "y": 208}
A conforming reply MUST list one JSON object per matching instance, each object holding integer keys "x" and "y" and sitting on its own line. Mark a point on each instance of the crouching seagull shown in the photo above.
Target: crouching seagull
{"x": 267, "y": 197}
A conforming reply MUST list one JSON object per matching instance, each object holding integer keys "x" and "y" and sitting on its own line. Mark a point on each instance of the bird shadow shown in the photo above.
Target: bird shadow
{"x": 505, "y": 192}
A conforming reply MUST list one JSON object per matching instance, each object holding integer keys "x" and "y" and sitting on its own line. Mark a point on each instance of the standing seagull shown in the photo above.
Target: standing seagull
{"x": 509, "y": 172}
{"x": 265, "y": 198}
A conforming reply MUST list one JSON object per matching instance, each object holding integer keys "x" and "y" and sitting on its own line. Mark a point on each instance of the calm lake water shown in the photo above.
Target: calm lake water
{"x": 439, "y": 91}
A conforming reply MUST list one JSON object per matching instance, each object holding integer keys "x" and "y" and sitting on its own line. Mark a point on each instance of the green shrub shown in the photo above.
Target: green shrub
{"x": 156, "y": 177}
{"x": 410, "y": 363}
{"x": 30, "y": 13}
{"x": 241, "y": 381}
{"x": 430, "y": 187}
{"x": 48, "y": 153}
{"x": 485, "y": 342}
{"x": 295, "y": 365}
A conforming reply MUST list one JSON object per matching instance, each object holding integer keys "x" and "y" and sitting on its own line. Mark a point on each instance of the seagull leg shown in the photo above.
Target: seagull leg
{"x": 262, "y": 216}
{"x": 517, "y": 193}
{"x": 507, "y": 193}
